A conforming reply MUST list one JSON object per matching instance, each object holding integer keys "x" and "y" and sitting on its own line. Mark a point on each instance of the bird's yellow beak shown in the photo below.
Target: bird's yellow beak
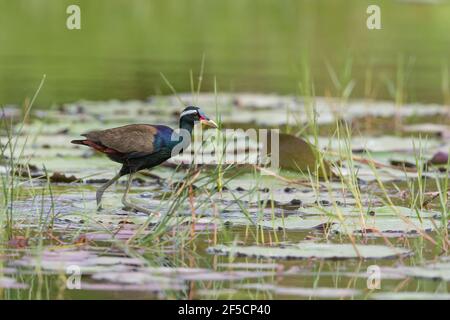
{"x": 209, "y": 123}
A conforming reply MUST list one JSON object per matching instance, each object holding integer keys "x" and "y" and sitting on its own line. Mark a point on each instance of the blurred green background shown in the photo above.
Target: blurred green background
{"x": 249, "y": 46}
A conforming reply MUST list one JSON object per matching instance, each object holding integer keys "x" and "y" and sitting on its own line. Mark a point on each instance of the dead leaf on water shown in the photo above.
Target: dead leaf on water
{"x": 296, "y": 154}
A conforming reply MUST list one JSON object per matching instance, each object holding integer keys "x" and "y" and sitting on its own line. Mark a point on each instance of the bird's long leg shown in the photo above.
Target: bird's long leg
{"x": 127, "y": 203}
{"x": 101, "y": 190}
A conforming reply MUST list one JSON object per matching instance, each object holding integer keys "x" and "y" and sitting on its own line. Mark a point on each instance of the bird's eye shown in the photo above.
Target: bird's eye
{"x": 201, "y": 115}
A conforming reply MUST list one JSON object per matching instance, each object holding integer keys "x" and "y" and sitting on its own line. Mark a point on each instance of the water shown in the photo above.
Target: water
{"x": 260, "y": 46}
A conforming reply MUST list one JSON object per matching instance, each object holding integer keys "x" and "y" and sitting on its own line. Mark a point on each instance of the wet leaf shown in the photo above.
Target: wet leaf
{"x": 246, "y": 266}
{"x": 226, "y": 275}
{"x": 18, "y": 242}
{"x": 440, "y": 130}
{"x": 305, "y": 197}
{"x": 319, "y": 292}
{"x": 81, "y": 240}
{"x": 439, "y": 158}
{"x": 118, "y": 287}
{"x": 382, "y": 226}
{"x": 384, "y": 211}
{"x": 435, "y": 271}
{"x": 313, "y": 250}
{"x": 410, "y": 296}
{"x": 298, "y": 155}
{"x": 375, "y": 144}
{"x": 61, "y": 177}
{"x": 378, "y": 221}
{"x": 296, "y": 223}
{"x": 135, "y": 277}
{"x": 11, "y": 283}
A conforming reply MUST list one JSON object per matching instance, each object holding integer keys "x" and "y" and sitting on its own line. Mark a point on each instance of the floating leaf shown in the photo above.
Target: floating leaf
{"x": 377, "y": 221}
{"x": 278, "y": 196}
{"x": 246, "y": 266}
{"x": 384, "y": 225}
{"x": 313, "y": 250}
{"x": 296, "y": 223}
{"x": 440, "y": 130}
{"x": 439, "y": 158}
{"x": 118, "y": 287}
{"x": 134, "y": 277}
{"x": 61, "y": 177}
{"x": 374, "y": 144}
{"x": 435, "y": 271}
{"x": 410, "y": 296}
{"x": 18, "y": 242}
{"x": 226, "y": 275}
{"x": 320, "y": 292}
{"x": 11, "y": 283}
{"x": 298, "y": 155}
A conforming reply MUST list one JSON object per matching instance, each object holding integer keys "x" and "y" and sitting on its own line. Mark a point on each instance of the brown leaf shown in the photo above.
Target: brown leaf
{"x": 61, "y": 177}
{"x": 18, "y": 242}
{"x": 439, "y": 158}
{"x": 82, "y": 239}
{"x": 296, "y": 154}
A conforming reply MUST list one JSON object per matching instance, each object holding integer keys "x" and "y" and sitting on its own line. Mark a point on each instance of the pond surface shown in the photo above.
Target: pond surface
{"x": 232, "y": 232}
{"x": 267, "y": 46}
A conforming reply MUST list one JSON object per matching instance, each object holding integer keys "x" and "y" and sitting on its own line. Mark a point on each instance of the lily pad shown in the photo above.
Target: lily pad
{"x": 226, "y": 275}
{"x": 255, "y": 266}
{"x": 298, "y": 155}
{"x": 375, "y": 144}
{"x": 320, "y": 292}
{"x": 305, "y": 197}
{"x": 157, "y": 287}
{"x": 410, "y": 296}
{"x": 384, "y": 211}
{"x": 134, "y": 277}
{"x": 386, "y": 225}
{"x": 313, "y": 250}
{"x": 434, "y": 271}
{"x": 11, "y": 283}
{"x": 381, "y": 224}
{"x": 296, "y": 223}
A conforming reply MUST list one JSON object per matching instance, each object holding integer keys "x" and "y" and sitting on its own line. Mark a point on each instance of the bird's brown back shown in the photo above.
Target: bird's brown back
{"x": 126, "y": 139}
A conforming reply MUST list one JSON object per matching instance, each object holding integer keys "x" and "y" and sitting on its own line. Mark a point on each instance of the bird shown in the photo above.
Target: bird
{"x": 142, "y": 146}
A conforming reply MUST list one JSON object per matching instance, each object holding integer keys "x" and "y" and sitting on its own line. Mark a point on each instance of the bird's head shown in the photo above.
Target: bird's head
{"x": 193, "y": 114}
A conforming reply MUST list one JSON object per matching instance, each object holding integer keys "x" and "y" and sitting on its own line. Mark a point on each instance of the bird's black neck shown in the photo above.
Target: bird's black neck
{"x": 187, "y": 124}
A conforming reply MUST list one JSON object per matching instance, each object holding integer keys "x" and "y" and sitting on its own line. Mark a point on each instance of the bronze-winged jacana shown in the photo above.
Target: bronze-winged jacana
{"x": 140, "y": 146}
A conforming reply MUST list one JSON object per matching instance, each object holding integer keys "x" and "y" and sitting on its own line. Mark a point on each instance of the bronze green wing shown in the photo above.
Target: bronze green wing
{"x": 134, "y": 138}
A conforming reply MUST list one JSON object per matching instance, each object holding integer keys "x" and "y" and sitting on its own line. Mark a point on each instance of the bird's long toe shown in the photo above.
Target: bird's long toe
{"x": 132, "y": 206}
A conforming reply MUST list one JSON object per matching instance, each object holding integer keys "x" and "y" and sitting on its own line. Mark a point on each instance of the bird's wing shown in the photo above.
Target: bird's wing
{"x": 134, "y": 138}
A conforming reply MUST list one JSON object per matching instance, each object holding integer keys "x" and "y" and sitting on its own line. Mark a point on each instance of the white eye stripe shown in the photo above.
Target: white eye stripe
{"x": 184, "y": 113}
